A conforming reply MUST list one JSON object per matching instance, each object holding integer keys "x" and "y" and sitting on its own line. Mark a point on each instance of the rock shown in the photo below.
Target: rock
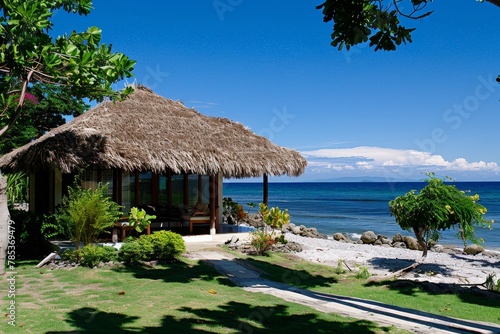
{"x": 303, "y": 231}
{"x": 368, "y": 237}
{"x": 491, "y": 254}
{"x": 473, "y": 249}
{"x": 341, "y": 237}
{"x": 386, "y": 242}
{"x": 397, "y": 238}
{"x": 411, "y": 243}
{"x": 399, "y": 244}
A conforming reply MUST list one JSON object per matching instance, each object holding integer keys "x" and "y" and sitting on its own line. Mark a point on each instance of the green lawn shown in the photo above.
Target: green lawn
{"x": 304, "y": 274}
{"x": 184, "y": 297}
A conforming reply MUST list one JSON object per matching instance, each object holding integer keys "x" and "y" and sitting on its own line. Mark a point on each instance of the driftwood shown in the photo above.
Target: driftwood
{"x": 49, "y": 258}
{"x": 398, "y": 273}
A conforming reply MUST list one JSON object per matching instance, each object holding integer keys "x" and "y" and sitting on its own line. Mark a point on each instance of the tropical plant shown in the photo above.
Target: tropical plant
{"x": 139, "y": 219}
{"x": 360, "y": 21}
{"x": 86, "y": 213}
{"x": 17, "y": 188}
{"x": 29, "y": 55}
{"x": 261, "y": 242}
{"x": 438, "y": 207}
{"x": 274, "y": 217}
{"x": 53, "y": 103}
{"x": 231, "y": 210}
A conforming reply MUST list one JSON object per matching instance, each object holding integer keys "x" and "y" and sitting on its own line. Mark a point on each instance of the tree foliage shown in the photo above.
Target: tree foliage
{"x": 53, "y": 104}
{"x": 377, "y": 21}
{"x": 438, "y": 207}
{"x": 28, "y": 54}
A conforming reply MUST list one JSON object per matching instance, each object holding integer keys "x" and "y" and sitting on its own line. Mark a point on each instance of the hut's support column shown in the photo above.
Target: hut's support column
{"x": 265, "y": 200}
{"x": 213, "y": 198}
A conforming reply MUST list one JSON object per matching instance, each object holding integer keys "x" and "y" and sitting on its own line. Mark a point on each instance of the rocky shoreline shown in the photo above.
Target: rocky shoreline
{"x": 398, "y": 241}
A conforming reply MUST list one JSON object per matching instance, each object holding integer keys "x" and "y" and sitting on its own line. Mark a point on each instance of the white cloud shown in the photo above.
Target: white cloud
{"x": 379, "y": 160}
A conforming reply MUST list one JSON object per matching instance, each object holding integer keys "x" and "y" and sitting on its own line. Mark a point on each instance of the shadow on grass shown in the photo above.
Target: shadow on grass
{"x": 299, "y": 278}
{"x": 468, "y": 294}
{"x": 232, "y": 316}
{"x": 178, "y": 272}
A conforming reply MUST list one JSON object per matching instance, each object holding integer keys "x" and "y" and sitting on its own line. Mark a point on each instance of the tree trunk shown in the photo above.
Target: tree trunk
{"x": 4, "y": 223}
{"x": 419, "y": 233}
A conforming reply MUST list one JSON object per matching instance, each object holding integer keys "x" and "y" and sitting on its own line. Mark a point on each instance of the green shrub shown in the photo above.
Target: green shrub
{"x": 92, "y": 255}
{"x": 363, "y": 273}
{"x": 262, "y": 242}
{"x": 17, "y": 188}
{"x": 70, "y": 255}
{"x": 86, "y": 213}
{"x": 136, "y": 251}
{"x": 281, "y": 239}
{"x": 274, "y": 217}
{"x": 161, "y": 245}
{"x": 166, "y": 244}
{"x": 339, "y": 270}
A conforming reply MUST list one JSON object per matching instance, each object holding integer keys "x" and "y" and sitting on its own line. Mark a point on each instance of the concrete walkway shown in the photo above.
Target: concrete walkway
{"x": 249, "y": 279}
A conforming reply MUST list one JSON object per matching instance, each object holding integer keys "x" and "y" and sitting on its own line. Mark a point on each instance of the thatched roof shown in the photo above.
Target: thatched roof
{"x": 149, "y": 132}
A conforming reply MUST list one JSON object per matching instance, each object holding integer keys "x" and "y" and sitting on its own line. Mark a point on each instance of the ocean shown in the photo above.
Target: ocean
{"x": 356, "y": 207}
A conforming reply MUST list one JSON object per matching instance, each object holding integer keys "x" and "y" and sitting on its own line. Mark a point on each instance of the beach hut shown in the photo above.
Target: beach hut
{"x": 154, "y": 153}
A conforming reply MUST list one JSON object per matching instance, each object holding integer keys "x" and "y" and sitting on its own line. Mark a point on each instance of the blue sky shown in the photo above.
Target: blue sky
{"x": 432, "y": 105}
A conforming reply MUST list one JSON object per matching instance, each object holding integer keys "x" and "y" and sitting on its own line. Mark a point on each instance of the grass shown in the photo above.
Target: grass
{"x": 190, "y": 296}
{"x": 184, "y": 297}
{"x": 290, "y": 269}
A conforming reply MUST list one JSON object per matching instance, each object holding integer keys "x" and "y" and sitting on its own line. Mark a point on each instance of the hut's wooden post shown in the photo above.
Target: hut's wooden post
{"x": 265, "y": 200}
{"x": 213, "y": 197}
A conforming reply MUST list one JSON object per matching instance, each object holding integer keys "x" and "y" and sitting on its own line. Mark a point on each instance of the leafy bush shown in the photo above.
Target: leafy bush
{"x": 274, "y": 217}
{"x": 139, "y": 219}
{"x": 281, "y": 239}
{"x": 363, "y": 273}
{"x": 490, "y": 283}
{"x": 339, "y": 270}
{"x": 17, "y": 188}
{"x": 92, "y": 255}
{"x": 161, "y": 245}
{"x": 86, "y": 213}
{"x": 166, "y": 244}
{"x": 70, "y": 255}
{"x": 137, "y": 250}
{"x": 232, "y": 211}
{"x": 262, "y": 242}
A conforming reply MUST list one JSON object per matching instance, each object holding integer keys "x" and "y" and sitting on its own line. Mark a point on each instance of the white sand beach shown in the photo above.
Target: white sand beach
{"x": 380, "y": 261}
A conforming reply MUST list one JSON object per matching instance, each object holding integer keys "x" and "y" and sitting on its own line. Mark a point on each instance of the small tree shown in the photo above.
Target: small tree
{"x": 86, "y": 213}
{"x": 438, "y": 207}
{"x": 274, "y": 217}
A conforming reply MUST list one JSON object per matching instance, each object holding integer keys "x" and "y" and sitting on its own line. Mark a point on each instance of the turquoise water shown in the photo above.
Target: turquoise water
{"x": 355, "y": 207}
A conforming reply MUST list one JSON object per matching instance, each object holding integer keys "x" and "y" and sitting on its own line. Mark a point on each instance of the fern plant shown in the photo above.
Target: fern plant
{"x": 86, "y": 213}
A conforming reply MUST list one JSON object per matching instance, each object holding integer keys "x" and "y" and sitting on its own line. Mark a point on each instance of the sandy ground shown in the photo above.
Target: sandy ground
{"x": 381, "y": 261}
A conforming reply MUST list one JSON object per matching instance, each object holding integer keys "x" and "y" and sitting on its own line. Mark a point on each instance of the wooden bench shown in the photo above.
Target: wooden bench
{"x": 195, "y": 220}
